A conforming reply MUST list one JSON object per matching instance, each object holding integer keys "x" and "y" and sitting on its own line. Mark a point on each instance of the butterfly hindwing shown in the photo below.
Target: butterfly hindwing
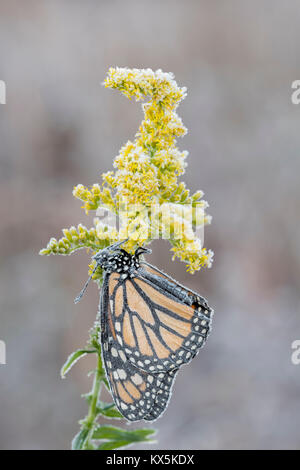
{"x": 163, "y": 395}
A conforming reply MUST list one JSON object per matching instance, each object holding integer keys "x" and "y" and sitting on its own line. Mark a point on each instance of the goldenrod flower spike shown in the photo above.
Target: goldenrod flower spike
{"x": 146, "y": 173}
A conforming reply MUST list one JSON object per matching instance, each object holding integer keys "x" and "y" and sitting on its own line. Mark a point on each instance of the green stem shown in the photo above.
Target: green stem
{"x": 90, "y": 420}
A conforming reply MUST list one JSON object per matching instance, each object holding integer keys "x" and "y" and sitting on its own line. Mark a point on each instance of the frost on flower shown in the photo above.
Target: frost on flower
{"x": 143, "y": 189}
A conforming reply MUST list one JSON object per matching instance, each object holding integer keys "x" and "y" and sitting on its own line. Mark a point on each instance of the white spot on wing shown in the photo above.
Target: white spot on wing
{"x": 122, "y": 356}
{"x": 122, "y": 374}
{"x": 137, "y": 379}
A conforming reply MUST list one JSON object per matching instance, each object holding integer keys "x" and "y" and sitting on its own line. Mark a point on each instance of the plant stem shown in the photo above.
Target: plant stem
{"x": 92, "y": 414}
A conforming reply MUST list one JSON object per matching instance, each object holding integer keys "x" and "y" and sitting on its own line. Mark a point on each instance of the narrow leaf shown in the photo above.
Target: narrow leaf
{"x": 79, "y": 439}
{"x": 72, "y": 359}
{"x": 106, "y": 384}
{"x": 110, "y": 411}
{"x": 119, "y": 434}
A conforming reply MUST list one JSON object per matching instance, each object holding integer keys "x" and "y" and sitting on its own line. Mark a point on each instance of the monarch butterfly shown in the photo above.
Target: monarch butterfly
{"x": 150, "y": 326}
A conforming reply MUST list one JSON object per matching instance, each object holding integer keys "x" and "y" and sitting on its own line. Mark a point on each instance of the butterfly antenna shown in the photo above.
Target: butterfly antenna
{"x": 115, "y": 245}
{"x": 80, "y": 295}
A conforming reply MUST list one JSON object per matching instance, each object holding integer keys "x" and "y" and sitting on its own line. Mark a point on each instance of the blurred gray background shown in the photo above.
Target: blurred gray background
{"x": 60, "y": 127}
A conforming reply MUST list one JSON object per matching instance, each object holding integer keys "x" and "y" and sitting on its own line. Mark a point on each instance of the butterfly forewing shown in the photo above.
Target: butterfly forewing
{"x": 138, "y": 394}
{"x": 157, "y": 331}
{"x": 151, "y": 326}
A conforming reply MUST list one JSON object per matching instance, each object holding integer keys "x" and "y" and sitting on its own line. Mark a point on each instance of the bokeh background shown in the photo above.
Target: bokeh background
{"x": 60, "y": 127}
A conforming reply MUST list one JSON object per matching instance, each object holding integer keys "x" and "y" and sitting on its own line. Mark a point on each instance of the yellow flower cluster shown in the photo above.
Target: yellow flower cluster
{"x": 143, "y": 190}
{"x": 93, "y": 197}
{"x": 139, "y": 83}
{"x": 95, "y": 238}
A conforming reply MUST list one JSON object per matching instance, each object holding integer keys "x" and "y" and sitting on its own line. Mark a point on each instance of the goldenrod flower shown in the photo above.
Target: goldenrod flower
{"x": 143, "y": 190}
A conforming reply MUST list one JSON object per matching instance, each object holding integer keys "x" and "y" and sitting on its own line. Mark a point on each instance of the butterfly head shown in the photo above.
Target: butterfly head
{"x": 111, "y": 258}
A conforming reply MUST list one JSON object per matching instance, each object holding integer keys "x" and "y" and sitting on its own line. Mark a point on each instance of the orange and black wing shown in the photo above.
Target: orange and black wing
{"x": 138, "y": 394}
{"x": 151, "y": 327}
{"x": 157, "y": 330}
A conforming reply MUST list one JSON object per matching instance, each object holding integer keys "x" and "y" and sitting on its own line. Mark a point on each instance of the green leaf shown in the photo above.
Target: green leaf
{"x": 112, "y": 413}
{"x": 105, "y": 381}
{"x": 79, "y": 439}
{"x": 113, "y": 445}
{"x": 109, "y": 410}
{"x": 73, "y": 358}
{"x": 119, "y": 434}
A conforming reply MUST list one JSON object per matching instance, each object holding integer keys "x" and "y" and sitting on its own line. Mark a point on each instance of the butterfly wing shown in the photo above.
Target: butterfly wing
{"x": 138, "y": 394}
{"x": 151, "y": 325}
{"x": 159, "y": 324}
{"x": 160, "y": 276}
